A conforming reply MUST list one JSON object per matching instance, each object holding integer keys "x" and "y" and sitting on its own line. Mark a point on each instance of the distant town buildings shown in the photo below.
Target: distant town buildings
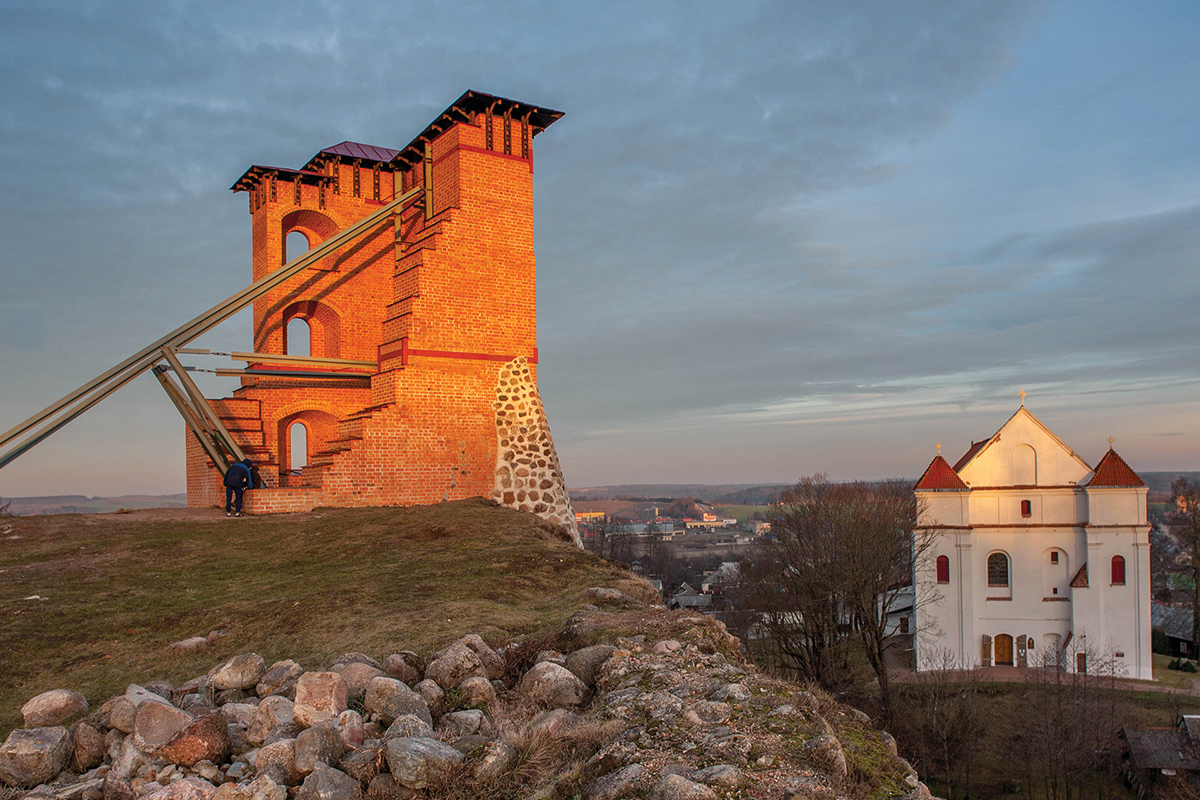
{"x": 1037, "y": 557}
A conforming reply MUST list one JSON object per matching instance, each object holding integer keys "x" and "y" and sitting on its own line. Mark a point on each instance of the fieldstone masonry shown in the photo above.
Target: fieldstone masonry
{"x": 664, "y": 709}
{"x": 528, "y": 477}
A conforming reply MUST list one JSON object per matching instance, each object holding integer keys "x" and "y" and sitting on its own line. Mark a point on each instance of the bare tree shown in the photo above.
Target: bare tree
{"x": 944, "y": 717}
{"x": 1185, "y": 525}
{"x": 839, "y": 559}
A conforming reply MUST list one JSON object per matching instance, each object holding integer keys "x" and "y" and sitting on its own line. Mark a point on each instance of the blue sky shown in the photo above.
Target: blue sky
{"x": 773, "y": 238}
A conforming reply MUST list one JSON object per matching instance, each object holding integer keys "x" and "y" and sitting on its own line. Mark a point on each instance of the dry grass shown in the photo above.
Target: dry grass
{"x": 119, "y": 589}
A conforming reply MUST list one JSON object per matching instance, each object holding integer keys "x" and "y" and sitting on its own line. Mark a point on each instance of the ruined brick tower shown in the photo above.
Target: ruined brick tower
{"x": 420, "y": 384}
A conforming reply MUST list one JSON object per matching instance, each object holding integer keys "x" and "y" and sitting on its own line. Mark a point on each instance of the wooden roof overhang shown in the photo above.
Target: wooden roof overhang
{"x": 251, "y": 177}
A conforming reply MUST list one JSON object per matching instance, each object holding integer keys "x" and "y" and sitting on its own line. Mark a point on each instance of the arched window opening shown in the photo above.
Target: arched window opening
{"x": 295, "y": 246}
{"x": 943, "y": 569}
{"x": 997, "y": 567}
{"x": 1024, "y": 466}
{"x": 298, "y": 446}
{"x": 297, "y": 339}
{"x": 1118, "y": 571}
{"x": 1026, "y": 508}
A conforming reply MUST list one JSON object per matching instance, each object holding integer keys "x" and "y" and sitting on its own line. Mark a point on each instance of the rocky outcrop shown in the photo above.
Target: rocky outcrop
{"x": 639, "y": 702}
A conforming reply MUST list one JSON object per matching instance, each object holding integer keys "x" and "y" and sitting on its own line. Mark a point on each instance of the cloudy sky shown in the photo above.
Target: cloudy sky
{"x": 773, "y": 238}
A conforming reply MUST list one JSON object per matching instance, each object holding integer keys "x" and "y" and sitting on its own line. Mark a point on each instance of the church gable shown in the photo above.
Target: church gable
{"x": 1024, "y": 452}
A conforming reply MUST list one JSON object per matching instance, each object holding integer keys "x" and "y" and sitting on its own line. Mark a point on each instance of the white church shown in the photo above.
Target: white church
{"x": 1036, "y": 557}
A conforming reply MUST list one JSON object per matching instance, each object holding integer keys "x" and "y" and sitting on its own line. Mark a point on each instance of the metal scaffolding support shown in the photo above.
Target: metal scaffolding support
{"x": 55, "y": 416}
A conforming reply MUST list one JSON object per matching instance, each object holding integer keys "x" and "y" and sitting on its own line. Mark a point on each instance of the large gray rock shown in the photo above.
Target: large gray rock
{"x": 707, "y": 712}
{"x": 30, "y": 756}
{"x": 264, "y": 787}
{"x": 319, "y": 696}
{"x": 413, "y": 761}
{"x": 140, "y": 694}
{"x": 156, "y": 724}
{"x": 87, "y": 744}
{"x": 435, "y": 698}
{"x": 275, "y": 713}
{"x": 55, "y": 707}
{"x": 476, "y": 692}
{"x": 206, "y": 739}
{"x": 615, "y": 785}
{"x": 116, "y": 788}
{"x": 130, "y": 759}
{"x": 677, "y": 787}
{"x": 826, "y": 751}
{"x": 280, "y": 679}
{"x": 327, "y": 783}
{"x": 465, "y": 723}
{"x": 352, "y": 658}
{"x": 404, "y": 666}
{"x": 723, "y": 776}
{"x": 496, "y": 758}
{"x": 320, "y": 744}
{"x": 408, "y": 726}
{"x": 121, "y": 713}
{"x": 552, "y": 686}
{"x": 240, "y": 713}
{"x": 240, "y": 672}
{"x": 585, "y": 663}
{"x": 610, "y": 597}
{"x": 490, "y": 659}
{"x": 350, "y": 728}
{"x": 278, "y": 762}
{"x": 456, "y": 663}
{"x": 358, "y": 676}
{"x": 191, "y": 788}
{"x": 388, "y": 698}
{"x": 364, "y": 763}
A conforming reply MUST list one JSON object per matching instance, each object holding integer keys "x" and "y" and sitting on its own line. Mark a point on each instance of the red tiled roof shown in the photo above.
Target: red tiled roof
{"x": 967, "y": 456}
{"x": 1080, "y": 581}
{"x": 939, "y": 475}
{"x": 1113, "y": 471}
{"x": 366, "y": 151}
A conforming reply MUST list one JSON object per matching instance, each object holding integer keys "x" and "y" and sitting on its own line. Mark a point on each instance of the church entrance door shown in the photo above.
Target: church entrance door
{"x": 1004, "y": 650}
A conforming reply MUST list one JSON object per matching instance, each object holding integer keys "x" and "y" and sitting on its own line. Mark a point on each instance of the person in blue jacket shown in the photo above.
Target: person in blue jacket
{"x": 238, "y": 479}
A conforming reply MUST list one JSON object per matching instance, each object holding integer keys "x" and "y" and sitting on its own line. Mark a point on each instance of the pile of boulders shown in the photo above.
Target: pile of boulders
{"x": 680, "y": 717}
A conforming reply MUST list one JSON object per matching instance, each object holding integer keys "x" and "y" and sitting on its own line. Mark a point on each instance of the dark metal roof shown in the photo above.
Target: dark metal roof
{"x": 367, "y": 152}
{"x": 253, "y": 175}
{"x": 466, "y": 107}
{"x": 1174, "y": 622}
{"x": 463, "y": 109}
{"x": 1161, "y": 748}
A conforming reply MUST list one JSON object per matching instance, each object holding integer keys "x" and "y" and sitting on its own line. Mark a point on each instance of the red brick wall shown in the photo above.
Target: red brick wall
{"x": 446, "y": 308}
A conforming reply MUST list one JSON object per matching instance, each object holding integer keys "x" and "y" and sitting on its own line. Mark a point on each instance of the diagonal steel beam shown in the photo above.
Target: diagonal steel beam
{"x": 220, "y": 432}
{"x": 193, "y": 421}
{"x": 122, "y": 373}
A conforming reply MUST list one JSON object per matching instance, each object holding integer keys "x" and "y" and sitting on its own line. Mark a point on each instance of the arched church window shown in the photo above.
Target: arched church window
{"x": 943, "y": 569}
{"x": 1118, "y": 571}
{"x": 997, "y": 567}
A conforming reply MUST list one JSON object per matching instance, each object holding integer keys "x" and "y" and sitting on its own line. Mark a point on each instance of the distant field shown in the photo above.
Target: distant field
{"x": 91, "y": 602}
{"x": 741, "y": 513}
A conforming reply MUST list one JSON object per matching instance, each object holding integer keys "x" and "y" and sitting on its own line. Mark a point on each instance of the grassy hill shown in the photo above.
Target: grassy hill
{"x": 92, "y": 602}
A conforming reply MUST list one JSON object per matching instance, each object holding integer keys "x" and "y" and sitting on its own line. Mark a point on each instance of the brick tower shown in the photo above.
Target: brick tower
{"x": 420, "y": 384}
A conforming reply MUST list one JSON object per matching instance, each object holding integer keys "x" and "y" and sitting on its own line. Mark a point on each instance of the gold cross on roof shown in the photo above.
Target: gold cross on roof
{"x": 1021, "y": 394}
{"x": 1110, "y": 442}
{"x": 939, "y": 447}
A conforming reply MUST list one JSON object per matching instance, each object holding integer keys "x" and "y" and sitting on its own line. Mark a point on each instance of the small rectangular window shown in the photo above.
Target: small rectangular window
{"x": 1054, "y": 557}
{"x": 1026, "y": 508}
